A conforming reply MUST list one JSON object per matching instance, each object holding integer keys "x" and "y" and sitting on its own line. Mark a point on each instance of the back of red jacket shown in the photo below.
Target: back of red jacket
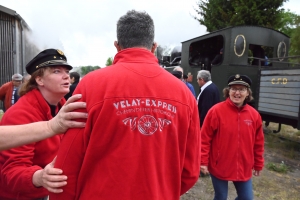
{"x": 142, "y": 138}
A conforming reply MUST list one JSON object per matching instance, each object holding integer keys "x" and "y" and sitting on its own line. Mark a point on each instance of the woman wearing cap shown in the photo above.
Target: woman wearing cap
{"x": 233, "y": 141}
{"x": 22, "y": 168}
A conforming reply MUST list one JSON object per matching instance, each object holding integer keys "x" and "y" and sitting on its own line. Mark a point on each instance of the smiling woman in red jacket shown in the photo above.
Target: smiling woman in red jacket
{"x": 233, "y": 141}
{"x": 22, "y": 168}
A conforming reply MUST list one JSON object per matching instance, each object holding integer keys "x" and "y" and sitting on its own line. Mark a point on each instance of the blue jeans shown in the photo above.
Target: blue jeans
{"x": 243, "y": 189}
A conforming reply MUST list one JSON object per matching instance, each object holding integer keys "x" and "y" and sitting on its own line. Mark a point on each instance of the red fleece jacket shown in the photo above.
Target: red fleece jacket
{"x": 19, "y": 164}
{"x": 232, "y": 141}
{"x": 6, "y": 94}
{"x": 142, "y": 138}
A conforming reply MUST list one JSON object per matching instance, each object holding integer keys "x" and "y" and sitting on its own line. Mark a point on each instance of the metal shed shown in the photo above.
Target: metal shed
{"x": 15, "y": 47}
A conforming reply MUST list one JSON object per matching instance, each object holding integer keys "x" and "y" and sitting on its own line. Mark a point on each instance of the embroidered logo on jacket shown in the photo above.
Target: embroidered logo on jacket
{"x": 147, "y": 124}
{"x": 145, "y": 113}
{"x": 248, "y": 122}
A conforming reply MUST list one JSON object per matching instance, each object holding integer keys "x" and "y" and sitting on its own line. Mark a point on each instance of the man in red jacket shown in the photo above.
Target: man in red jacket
{"x": 8, "y": 91}
{"x": 142, "y": 137}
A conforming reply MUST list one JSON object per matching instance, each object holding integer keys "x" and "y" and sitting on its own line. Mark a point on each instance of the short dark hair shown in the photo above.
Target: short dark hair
{"x": 135, "y": 29}
{"x": 75, "y": 75}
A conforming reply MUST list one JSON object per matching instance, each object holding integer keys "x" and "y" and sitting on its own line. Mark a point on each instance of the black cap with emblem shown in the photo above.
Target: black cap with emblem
{"x": 48, "y": 57}
{"x": 239, "y": 80}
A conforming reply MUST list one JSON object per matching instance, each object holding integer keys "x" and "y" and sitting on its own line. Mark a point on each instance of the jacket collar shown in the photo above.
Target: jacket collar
{"x": 135, "y": 55}
{"x": 231, "y": 104}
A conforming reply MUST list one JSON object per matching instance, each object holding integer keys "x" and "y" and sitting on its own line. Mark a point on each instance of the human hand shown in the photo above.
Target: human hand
{"x": 204, "y": 169}
{"x": 63, "y": 120}
{"x": 256, "y": 173}
{"x": 50, "y": 178}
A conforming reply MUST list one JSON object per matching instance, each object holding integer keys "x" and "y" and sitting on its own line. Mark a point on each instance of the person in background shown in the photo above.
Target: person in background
{"x": 209, "y": 94}
{"x": 190, "y": 86}
{"x": 8, "y": 93}
{"x": 233, "y": 141}
{"x": 24, "y": 80}
{"x": 218, "y": 58}
{"x": 258, "y": 53}
{"x": 177, "y": 74}
{"x": 74, "y": 80}
{"x": 142, "y": 137}
{"x": 23, "y": 168}
{"x": 17, "y": 135}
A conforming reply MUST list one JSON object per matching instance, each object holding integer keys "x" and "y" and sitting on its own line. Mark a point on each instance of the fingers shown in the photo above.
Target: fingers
{"x": 75, "y": 124}
{"x": 204, "y": 170}
{"x": 256, "y": 173}
{"x": 53, "y": 183}
{"x": 73, "y": 106}
{"x": 75, "y": 115}
{"x": 73, "y": 98}
{"x": 53, "y": 179}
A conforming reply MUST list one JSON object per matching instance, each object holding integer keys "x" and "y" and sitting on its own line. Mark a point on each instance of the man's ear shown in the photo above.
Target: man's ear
{"x": 117, "y": 46}
{"x": 154, "y": 46}
{"x": 39, "y": 81}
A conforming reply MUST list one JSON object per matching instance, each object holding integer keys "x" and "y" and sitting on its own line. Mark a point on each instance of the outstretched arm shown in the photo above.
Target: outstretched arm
{"x": 13, "y": 136}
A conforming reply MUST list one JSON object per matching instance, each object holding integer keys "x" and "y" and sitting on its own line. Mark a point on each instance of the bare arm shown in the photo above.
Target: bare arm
{"x": 13, "y": 136}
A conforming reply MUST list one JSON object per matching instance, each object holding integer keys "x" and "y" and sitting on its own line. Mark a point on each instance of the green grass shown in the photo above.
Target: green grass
{"x": 278, "y": 167}
{"x": 290, "y": 146}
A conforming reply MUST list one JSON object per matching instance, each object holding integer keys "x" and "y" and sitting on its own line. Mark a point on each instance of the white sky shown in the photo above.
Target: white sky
{"x": 86, "y": 29}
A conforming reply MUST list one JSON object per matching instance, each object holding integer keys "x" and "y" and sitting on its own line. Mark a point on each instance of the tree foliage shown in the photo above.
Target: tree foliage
{"x": 288, "y": 22}
{"x": 218, "y": 14}
{"x": 87, "y": 69}
{"x": 295, "y": 41}
{"x": 109, "y": 61}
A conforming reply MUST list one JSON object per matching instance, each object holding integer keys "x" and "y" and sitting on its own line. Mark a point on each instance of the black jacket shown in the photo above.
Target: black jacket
{"x": 209, "y": 97}
{"x": 72, "y": 88}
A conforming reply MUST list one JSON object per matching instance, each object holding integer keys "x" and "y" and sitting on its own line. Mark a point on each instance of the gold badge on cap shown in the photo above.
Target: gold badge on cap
{"x": 60, "y": 52}
{"x": 237, "y": 76}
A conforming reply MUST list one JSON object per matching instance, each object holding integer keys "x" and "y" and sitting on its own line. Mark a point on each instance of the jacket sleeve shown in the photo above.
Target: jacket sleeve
{"x": 259, "y": 146}
{"x": 69, "y": 159}
{"x": 17, "y": 170}
{"x": 191, "y": 166}
{"x": 71, "y": 154}
{"x": 3, "y": 89}
{"x": 17, "y": 163}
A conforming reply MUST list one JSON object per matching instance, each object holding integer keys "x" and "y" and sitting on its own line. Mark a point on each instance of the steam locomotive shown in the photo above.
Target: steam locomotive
{"x": 259, "y": 52}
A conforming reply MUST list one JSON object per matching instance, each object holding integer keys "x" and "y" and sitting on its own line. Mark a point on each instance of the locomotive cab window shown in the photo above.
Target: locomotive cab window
{"x": 260, "y": 55}
{"x": 207, "y": 52}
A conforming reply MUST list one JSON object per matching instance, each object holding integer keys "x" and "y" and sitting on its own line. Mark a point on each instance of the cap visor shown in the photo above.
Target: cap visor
{"x": 239, "y": 83}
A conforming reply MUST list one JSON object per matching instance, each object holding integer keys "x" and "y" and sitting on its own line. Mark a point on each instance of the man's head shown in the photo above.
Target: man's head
{"x": 135, "y": 29}
{"x": 74, "y": 77}
{"x": 180, "y": 69}
{"x": 17, "y": 79}
{"x": 203, "y": 77}
{"x": 177, "y": 74}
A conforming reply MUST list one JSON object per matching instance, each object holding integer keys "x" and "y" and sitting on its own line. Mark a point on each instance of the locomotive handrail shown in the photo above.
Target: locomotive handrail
{"x": 275, "y": 60}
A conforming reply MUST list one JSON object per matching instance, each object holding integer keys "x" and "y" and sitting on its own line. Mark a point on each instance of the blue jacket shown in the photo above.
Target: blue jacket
{"x": 190, "y": 86}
